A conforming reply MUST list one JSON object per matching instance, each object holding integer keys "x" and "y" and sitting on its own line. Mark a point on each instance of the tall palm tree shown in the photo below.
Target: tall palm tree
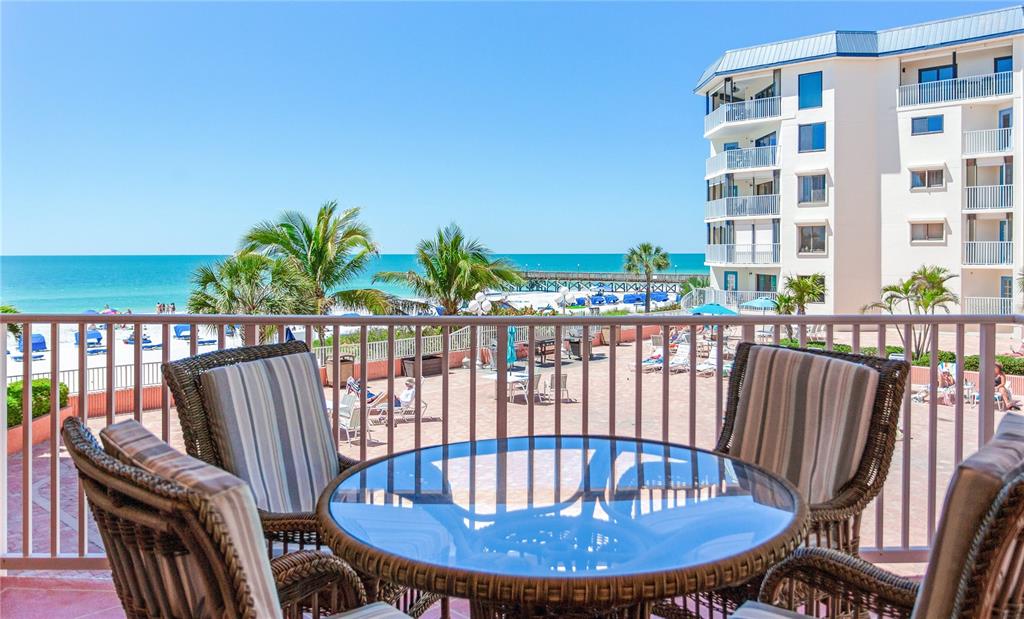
{"x": 249, "y": 283}
{"x": 647, "y": 259}
{"x": 805, "y": 289}
{"x": 453, "y": 269}
{"x": 12, "y": 327}
{"x": 329, "y": 251}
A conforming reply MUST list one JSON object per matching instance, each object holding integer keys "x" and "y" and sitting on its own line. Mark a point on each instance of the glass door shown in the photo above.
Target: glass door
{"x": 1005, "y": 122}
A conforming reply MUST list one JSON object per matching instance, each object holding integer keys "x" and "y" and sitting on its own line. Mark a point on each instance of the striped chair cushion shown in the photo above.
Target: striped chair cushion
{"x": 269, "y": 420}
{"x": 804, "y": 417}
{"x": 974, "y": 487}
{"x": 228, "y": 496}
{"x": 757, "y": 610}
{"x": 377, "y": 610}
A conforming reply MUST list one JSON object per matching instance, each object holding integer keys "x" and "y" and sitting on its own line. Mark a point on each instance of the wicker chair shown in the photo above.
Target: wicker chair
{"x": 184, "y": 380}
{"x": 172, "y": 553}
{"x": 834, "y": 523}
{"x": 974, "y": 571}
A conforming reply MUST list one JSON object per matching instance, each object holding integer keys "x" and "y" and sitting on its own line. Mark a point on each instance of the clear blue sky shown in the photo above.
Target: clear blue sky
{"x": 541, "y": 127}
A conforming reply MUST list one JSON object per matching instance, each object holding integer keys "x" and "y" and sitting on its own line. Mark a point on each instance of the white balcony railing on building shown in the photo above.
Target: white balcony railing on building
{"x": 983, "y": 253}
{"x": 1000, "y": 306}
{"x": 741, "y": 159}
{"x": 983, "y": 197}
{"x": 45, "y": 524}
{"x": 956, "y": 89}
{"x": 988, "y": 141}
{"x": 767, "y": 107}
{"x": 759, "y": 253}
{"x": 743, "y": 206}
{"x": 729, "y": 298}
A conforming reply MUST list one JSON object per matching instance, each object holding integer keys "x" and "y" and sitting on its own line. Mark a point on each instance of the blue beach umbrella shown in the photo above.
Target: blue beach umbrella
{"x": 712, "y": 309}
{"x": 760, "y": 303}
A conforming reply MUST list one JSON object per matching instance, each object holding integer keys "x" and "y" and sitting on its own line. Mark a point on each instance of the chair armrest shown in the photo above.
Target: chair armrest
{"x": 344, "y": 462}
{"x": 301, "y": 575}
{"x": 820, "y": 573}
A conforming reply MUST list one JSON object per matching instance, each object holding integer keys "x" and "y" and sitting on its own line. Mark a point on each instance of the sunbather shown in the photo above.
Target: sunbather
{"x": 1003, "y": 391}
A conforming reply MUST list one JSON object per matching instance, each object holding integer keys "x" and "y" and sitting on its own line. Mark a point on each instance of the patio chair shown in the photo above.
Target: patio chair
{"x": 231, "y": 419}
{"x": 974, "y": 569}
{"x": 768, "y": 398}
{"x": 349, "y": 422}
{"x": 525, "y": 388}
{"x": 549, "y": 389}
{"x": 183, "y": 539}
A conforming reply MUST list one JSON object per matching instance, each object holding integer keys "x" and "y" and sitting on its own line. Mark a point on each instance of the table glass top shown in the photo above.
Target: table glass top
{"x": 562, "y": 506}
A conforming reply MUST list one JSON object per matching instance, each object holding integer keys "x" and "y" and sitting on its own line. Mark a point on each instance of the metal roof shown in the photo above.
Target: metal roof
{"x": 952, "y": 31}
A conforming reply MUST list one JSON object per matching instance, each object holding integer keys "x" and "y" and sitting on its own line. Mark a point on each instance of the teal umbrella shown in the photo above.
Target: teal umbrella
{"x": 761, "y": 303}
{"x": 712, "y": 309}
{"x": 510, "y": 355}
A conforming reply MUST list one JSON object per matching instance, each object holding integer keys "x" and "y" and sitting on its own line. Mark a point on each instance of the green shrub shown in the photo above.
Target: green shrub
{"x": 1011, "y": 365}
{"x": 377, "y": 335}
{"x": 40, "y": 399}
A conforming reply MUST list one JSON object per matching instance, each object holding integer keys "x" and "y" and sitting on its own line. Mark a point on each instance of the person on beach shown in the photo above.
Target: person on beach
{"x": 173, "y": 309}
{"x": 1002, "y": 392}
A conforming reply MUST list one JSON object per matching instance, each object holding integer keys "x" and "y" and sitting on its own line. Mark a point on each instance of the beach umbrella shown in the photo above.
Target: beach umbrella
{"x": 510, "y": 354}
{"x": 91, "y": 312}
{"x": 288, "y": 335}
{"x": 762, "y": 304}
{"x": 712, "y": 309}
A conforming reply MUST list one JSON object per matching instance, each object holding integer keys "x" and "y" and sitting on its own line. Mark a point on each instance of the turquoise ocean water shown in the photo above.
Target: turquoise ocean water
{"x": 74, "y": 284}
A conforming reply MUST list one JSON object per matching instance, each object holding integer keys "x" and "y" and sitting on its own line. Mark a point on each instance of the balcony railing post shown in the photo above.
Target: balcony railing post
{"x": 986, "y": 378}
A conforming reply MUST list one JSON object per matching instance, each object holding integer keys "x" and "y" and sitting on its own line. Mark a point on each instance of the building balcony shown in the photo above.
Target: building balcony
{"x": 47, "y": 527}
{"x": 988, "y": 253}
{"x": 760, "y": 253}
{"x": 1000, "y": 306}
{"x": 741, "y": 159}
{"x": 988, "y": 142}
{"x": 956, "y": 89}
{"x": 988, "y": 197}
{"x": 742, "y": 112}
{"x": 742, "y": 206}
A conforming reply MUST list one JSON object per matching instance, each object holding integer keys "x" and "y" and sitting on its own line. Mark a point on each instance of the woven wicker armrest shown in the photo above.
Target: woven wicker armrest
{"x": 344, "y": 462}
{"x": 308, "y": 575}
{"x": 823, "y": 574}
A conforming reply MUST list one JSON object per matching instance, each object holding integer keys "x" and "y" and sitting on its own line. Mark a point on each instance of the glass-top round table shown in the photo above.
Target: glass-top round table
{"x": 556, "y": 525}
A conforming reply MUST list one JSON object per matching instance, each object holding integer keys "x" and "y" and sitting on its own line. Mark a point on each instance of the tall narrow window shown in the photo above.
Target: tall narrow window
{"x": 812, "y": 137}
{"x": 809, "y": 90}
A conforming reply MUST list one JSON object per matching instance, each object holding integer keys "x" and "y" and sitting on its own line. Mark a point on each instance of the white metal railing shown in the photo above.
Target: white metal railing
{"x": 740, "y": 159}
{"x": 956, "y": 89}
{"x": 729, "y": 298}
{"x": 986, "y": 141}
{"x": 743, "y": 206}
{"x": 988, "y": 252}
{"x": 1001, "y": 306}
{"x": 754, "y": 109}
{"x": 44, "y": 524}
{"x": 760, "y": 253}
{"x": 982, "y": 197}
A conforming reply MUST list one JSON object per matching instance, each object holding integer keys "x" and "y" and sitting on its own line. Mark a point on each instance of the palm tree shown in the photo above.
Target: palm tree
{"x": 453, "y": 269}
{"x": 805, "y": 289}
{"x": 785, "y": 304}
{"x": 12, "y": 327}
{"x": 330, "y": 251}
{"x": 647, "y": 259}
{"x": 250, "y": 283}
{"x": 924, "y": 292}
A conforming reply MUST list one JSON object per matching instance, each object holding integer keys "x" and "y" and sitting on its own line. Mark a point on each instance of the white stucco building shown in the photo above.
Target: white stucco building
{"x": 864, "y": 155}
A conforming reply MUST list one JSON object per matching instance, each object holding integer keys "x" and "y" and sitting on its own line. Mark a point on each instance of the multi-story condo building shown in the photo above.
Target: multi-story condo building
{"x": 864, "y": 155}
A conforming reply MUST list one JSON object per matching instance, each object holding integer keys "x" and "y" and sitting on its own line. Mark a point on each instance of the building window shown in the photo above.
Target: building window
{"x": 927, "y": 179}
{"x": 1003, "y": 64}
{"x": 809, "y": 90}
{"x": 811, "y": 239}
{"x": 928, "y": 232}
{"x": 812, "y": 137}
{"x": 935, "y": 74}
{"x": 926, "y": 124}
{"x": 811, "y": 188}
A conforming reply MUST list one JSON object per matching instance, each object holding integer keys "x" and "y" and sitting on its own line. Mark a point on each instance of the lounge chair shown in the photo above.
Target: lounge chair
{"x": 597, "y": 300}
{"x": 184, "y": 541}
{"x": 19, "y": 357}
{"x": 611, "y": 299}
{"x": 974, "y": 568}
{"x": 765, "y": 404}
{"x": 38, "y": 343}
{"x": 349, "y": 420}
{"x": 92, "y": 338}
{"x": 131, "y": 339}
{"x": 404, "y": 409}
{"x": 680, "y": 361}
{"x": 209, "y": 392}
{"x": 182, "y": 332}
{"x": 96, "y": 350}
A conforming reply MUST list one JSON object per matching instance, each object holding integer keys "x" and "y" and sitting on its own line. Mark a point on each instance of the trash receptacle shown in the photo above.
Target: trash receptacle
{"x": 345, "y": 366}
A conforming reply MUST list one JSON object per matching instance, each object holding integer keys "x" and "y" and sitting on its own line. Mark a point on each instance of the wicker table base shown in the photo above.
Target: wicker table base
{"x": 480, "y": 609}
